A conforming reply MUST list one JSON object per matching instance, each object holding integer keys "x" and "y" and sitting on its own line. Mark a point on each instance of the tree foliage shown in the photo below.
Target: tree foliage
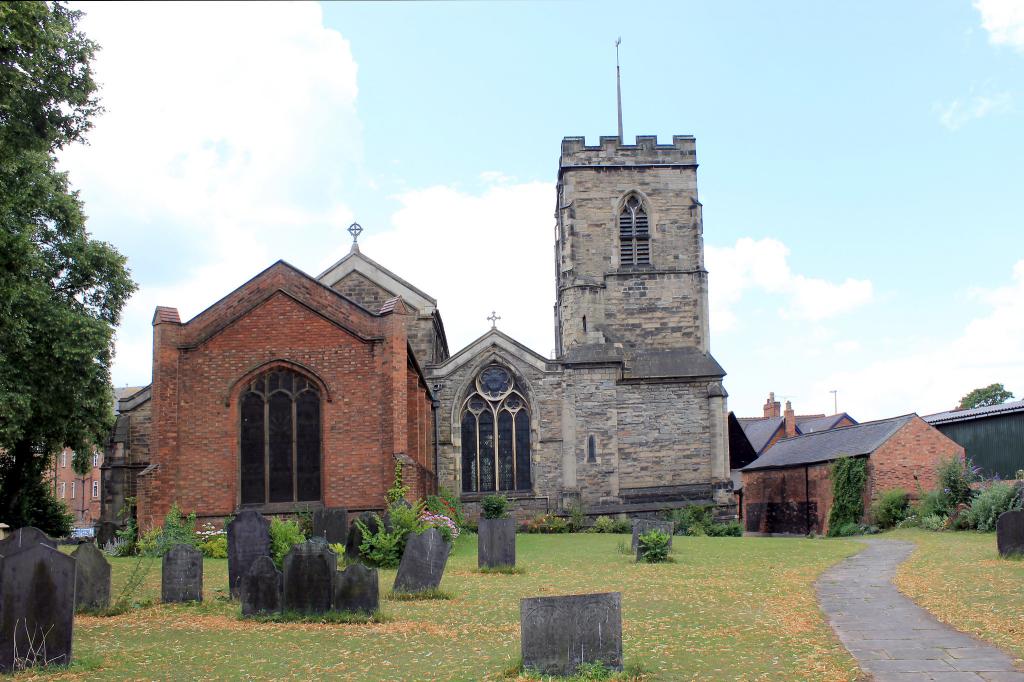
{"x": 61, "y": 293}
{"x": 849, "y": 476}
{"x": 993, "y": 394}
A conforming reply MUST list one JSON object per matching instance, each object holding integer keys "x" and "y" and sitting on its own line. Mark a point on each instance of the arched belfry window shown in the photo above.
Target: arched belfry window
{"x": 280, "y": 439}
{"x": 634, "y": 233}
{"x": 495, "y": 435}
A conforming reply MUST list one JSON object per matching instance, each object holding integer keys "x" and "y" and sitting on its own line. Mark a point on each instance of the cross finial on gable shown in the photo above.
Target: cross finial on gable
{"x": 355, "y": 229}
{"x": 493, "y": 319}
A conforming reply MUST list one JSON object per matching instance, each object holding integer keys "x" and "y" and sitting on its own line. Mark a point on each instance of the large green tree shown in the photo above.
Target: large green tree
{"x": 61, "y": 293}
{"x": 993, "y": 394}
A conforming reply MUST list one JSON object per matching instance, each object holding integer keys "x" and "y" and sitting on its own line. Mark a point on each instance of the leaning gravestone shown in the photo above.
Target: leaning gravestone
{"x": 181, "y": 575}
{"x": 496, "y": 543}
{"x": 423, "y": 562}
{"x": 1010, "y": 533}
{"x": 92, "y": 581}
{"x": 357, "y": 589}
{"x": 641, "y": 526}
{"x": 309, "y": 577}
{"x": 331, "y": 524}
{"x": 261, "y": 587}
{"x": 23, "y": 538}
{"x": 355, "y": 536}
{"x": 37, "y": 609}
{"x": 560, "y": 633}
{"x": 248, "y": 539}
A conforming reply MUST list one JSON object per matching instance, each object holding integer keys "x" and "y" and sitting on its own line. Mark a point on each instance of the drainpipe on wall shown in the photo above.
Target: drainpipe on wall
{"x": 434, "y": 406}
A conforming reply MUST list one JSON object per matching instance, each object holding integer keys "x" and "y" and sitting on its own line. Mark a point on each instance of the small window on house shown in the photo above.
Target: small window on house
{"x": 95, "y": 489}
{"x": 64, "y": 458}
{"x": 95, "y": 459}
{"x": 591, "y": 449}
{"x": 72, "y": 490}
{"x": 634, "y": 234}
{"x": 63, "y": 489}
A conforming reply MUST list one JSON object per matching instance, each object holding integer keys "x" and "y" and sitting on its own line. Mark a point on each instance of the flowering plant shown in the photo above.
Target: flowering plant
{"x": 449, "y": 529}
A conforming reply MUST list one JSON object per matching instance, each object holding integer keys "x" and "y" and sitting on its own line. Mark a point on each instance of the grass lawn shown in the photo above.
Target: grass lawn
{"x": 959, "y": 577}
{"x": 727, "y": 609}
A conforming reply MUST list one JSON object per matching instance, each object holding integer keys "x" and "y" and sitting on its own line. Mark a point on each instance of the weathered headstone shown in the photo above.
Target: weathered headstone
{"x": 1010, "y": 533}
{"x": 260, "y": 589}
{"x": 641, "y": 526}
{"x": 560, "y": 633}
{"x": 357, "y": 589}
{"x": 248, "y": 539}
{"x": 423, "y": 562}
{"x": 37, "y": 608}
{"x": 496, "y": 543}
{"x": 355, "y": 536}
{"x": 23, "y": 538}
{"x": 331, "y": 524}
{"x": 181, "y": 577}
{"x": 309, "y": 578}
{"x": 92, "y": 581}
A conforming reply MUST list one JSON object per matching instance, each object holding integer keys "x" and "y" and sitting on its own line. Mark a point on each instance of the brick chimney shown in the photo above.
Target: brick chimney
{"x": 772, "y": 406}
{"x": 790, "y": 420}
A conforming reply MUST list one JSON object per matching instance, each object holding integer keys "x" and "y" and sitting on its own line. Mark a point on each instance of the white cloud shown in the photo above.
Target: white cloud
{"x": 959, "y": 112}
{"x": 1004, "y": 21}
{"x": 762, "y": 265}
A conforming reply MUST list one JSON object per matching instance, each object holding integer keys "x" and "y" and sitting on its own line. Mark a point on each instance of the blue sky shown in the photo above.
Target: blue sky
{"x": 860, "y": 169}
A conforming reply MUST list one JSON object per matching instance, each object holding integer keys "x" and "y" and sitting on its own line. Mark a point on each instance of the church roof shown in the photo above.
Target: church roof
{"x": 493, "y": 337}
{"x": 671, "y": 363}
{"x": 355, "y": 261}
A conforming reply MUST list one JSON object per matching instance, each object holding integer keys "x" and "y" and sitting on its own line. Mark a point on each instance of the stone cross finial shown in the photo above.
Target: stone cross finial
{"x": 493, "y": 319}
{"x": 355, "y": 229}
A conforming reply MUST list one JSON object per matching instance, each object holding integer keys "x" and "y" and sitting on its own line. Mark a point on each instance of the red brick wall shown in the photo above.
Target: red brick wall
{"x": 910, "y": 459}
{"x": 75, "y": 491}
{"x": 776, "y": 500}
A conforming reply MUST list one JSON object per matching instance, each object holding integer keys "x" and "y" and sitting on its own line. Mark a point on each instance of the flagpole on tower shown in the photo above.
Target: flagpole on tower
{"x": 618, "y": 85}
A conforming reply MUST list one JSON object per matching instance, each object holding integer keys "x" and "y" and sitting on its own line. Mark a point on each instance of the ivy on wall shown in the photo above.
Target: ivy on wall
{"x": 849, "y": 476}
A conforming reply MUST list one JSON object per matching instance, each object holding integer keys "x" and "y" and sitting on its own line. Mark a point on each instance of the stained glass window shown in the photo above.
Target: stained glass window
{"x": 495, "y": 435}
{"x": 634, "y": 234}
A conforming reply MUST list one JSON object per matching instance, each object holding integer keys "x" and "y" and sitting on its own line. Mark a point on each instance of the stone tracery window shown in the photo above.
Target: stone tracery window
{"x": 634, "y": 233}
{"x": 280, "y": 439}
{"x": 495, "y": 435}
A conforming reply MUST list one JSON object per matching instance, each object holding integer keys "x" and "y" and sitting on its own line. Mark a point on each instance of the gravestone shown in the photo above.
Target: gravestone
{"x": 560, "y": 633}
{"x": 641, "y": 526}
{"x": 423, "y": 562}
{"x": 357, "y": 589}
{"x": 23, "y": 538}
{"x": 496, "y": 543}
{"x": 37, "y": 609}
{"x": 248, "y": 539}
{"x": 309, "y": 577}
{"x": 260, "y": 589}
{"x": 331, "y": 524}
{"x": 355, "y": 536}
{"x": 1010, "y": 533}
{"x": 181, "y": 575}
{"x": 92, "y": 581}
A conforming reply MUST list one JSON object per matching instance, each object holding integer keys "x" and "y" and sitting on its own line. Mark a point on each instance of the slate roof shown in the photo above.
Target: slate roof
{"x": 814, "y": 424}
{"x": 975, "y": 413}
{"x": 759, "y": 430}
{"x": 674, "y": 362}
{"x": 825, "y": 446}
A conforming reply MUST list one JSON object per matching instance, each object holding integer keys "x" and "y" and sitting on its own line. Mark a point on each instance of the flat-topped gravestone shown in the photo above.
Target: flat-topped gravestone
{"x": 1010, "y": 533}
{"x": 23, "y": 538}
{"x": 309, "y": 577}
{"x": 260, "y": 589}
{"x": 331, "y": 524}
{"x": 357, "y": 589}
{"x": 423, "y": 562}
{"x": 496, "y": 543}
{"x": 560, "y": 633}
{"x": 355, "y": 536}
{"x": 248, "y": 539}
{"x": 92, "y": 581}
{"x": 181, "y": 575}
{"x": 641, "y": 526}
{"x": 37, "y": 608}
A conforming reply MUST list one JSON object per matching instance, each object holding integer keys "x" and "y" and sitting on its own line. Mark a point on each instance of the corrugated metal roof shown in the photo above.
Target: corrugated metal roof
{"x": 825, "y": 446}
{"x": 975, "y": 413}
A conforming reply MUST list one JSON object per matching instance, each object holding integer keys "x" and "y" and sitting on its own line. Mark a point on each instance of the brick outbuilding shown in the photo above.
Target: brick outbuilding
{"x": 788, "y": 489}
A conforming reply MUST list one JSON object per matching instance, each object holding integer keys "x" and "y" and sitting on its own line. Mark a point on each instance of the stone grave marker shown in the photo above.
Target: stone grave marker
{"x": 1010, "y": 533}
{"x": 181, "y": 575}
{"x": 496, "y": 543}
{"x": 260, "y": 589}
{"x": 92, "y": 581}
{"x": 309, "y": 577}
{"x": 248, "y": 539}
{"x": 37, "y": 584}
{"x": 560, "y": 633}
{"x": 331, "y": 524}
{"x": 357, "y": 589}
{"x": 423, "y": 562}
{"x": 641, "y": 526}
{"x": 23, "y": 538}
{"x": 355, "y": 536}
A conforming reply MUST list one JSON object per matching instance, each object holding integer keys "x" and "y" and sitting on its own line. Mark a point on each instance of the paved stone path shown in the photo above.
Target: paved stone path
{"x": 892, "y": 637}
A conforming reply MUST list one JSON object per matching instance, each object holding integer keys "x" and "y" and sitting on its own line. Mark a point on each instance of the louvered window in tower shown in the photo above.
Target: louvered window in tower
{"x": 634, "y": 234}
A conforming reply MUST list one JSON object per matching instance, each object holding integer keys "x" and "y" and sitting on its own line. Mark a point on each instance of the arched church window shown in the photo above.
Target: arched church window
{"x": 280, "y": 439}
{"x": 495, "y": 435}
{"x": 634, "y": 233}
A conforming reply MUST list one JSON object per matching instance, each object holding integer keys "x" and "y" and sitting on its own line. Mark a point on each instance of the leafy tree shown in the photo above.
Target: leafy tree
{"x": 61, "y": 293}
{"x": 993, "y": 394}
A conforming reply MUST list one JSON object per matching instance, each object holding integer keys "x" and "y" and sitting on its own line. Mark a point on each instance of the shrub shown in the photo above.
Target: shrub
{"x": 849, "y": 476}
{"x": 177, "y": 530}
{"x": 891, "y": 508}
{"x": 730, "y": 529}
{"x": 447, "y": 503}
{"x": 384, "y": 547}
{"x": 690, "y": 520}
{"x": 284, "y": 534}
{"x": 653, "y": 546}
{"x": 993, "y": 501}
{"x": 404, "y": 519}
{"x": 397, "y": 491}
{"x": 216, "y": 547}
{"x": 955, "y": 478}
{"x": 546, "y": 523}
{"x": 848, "y": 529}
{"x": 933, "y": 522}
{"x": 577, "y": 518}
{"x": 606, "y": 524}
{"x": 441, "y": 522}
{"x": 494, "y": 507}
{"x": 932, "y": 503}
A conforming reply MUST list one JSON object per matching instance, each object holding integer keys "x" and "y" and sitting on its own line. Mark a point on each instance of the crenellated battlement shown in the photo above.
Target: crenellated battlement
{"x": 646, "y": 151}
